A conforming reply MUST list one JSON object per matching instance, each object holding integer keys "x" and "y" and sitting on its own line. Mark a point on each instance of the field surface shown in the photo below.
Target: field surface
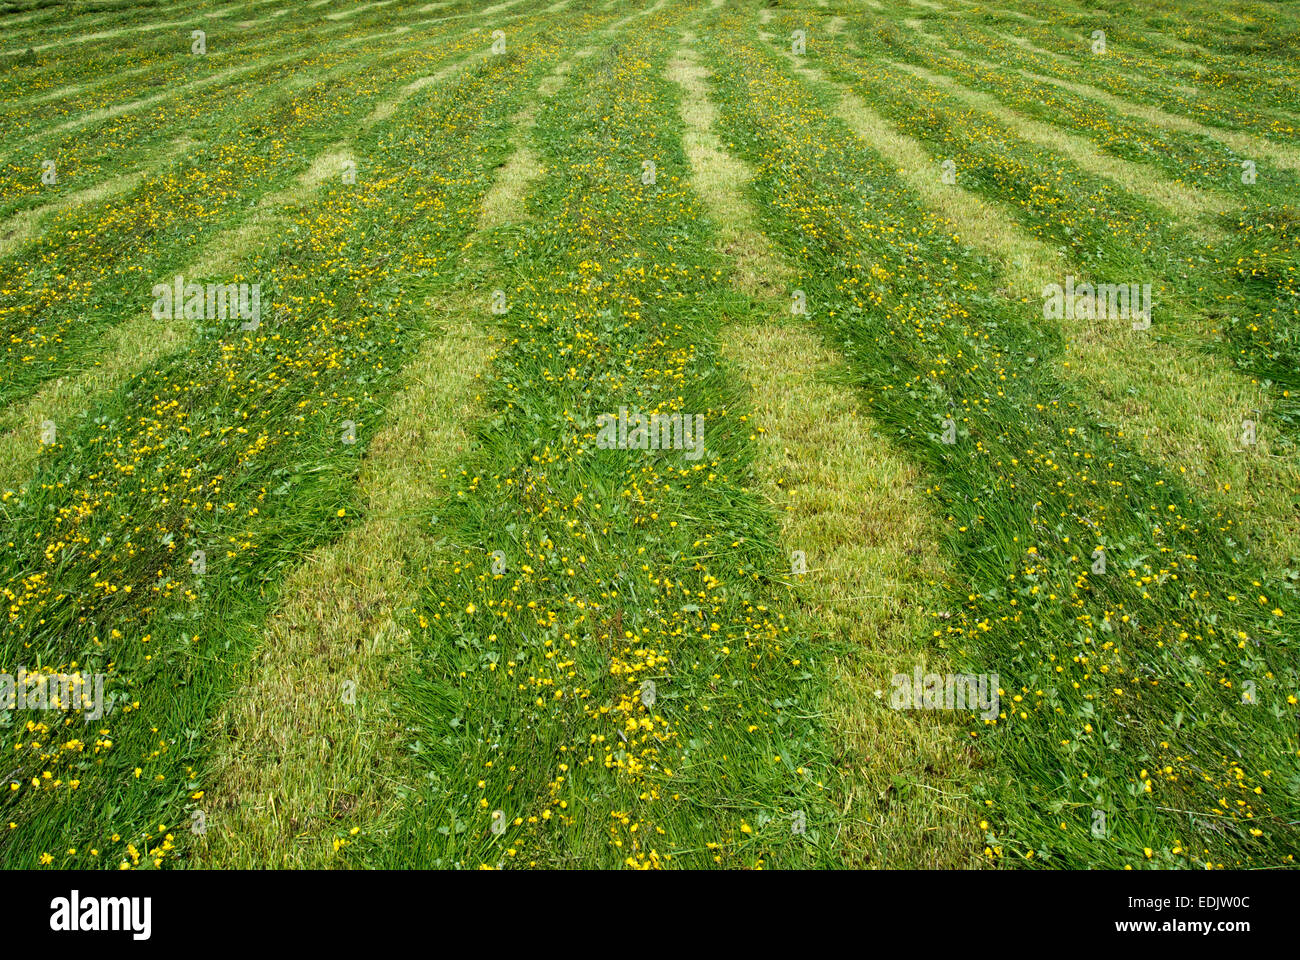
{"x": 965, "y": 532}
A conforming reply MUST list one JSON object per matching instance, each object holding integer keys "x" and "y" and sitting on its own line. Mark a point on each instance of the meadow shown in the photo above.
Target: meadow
{"x": 748, "y": 434}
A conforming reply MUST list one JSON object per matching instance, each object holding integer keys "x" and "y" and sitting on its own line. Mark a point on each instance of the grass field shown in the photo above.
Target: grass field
{"x": 965, "y": 532}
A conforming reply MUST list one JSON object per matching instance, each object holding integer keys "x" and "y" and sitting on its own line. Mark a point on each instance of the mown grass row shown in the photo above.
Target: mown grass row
{"x": 94, "y": 268}
{"x": 606, "y": 667}
{"x": 77, "y": 25}
{"x": 1244, "y": 285}
{"x": 49, "y": 18}
{"x": 1222, "y": 56}
{"x": 1245, "y": 55}
{"x": 233, "y": 447}
{"x": 1182, "y": 156}
{"x": 1127, "y": 73}
{"x": 1123, "y": 689}
{"x": 196, "y": 105}
{"x": 604, "y": 672}
{"x": 295, "y": 771}
{"x": 853, "y": 505}
{"x": 69, "y": 79}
